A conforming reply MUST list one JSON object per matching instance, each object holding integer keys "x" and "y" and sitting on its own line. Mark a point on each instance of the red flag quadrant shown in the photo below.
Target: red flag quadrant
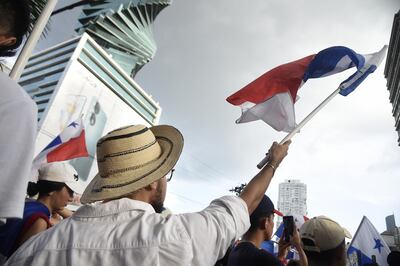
{"x": 69, "y": 144}
{"x": 271, "y": 97}
{"x": 74, "y": 148}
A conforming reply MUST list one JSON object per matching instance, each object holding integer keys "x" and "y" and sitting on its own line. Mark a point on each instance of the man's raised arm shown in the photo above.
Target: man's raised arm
{"x": 254, "y": 191}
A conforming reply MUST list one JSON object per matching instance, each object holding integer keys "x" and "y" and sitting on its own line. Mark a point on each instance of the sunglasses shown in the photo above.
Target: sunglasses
{"x": 170, "y": 175}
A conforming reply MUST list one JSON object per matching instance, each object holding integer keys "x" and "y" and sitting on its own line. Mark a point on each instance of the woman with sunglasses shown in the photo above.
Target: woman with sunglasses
{"x": 55, "y": 188}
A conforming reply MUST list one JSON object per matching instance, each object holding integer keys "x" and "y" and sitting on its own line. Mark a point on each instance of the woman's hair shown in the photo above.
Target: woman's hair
{"x": 43, "y": 187}
{"x": 14, "y": 20}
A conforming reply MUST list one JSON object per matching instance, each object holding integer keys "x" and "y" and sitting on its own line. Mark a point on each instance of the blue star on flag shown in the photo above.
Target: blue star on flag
{"x": 74, "y": 124}
{"x": 378, "y": 244}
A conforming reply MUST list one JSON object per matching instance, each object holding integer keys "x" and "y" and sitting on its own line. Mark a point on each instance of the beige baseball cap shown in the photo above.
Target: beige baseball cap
{"x": 61, "y": 172}
{"x": 323, "y": 234}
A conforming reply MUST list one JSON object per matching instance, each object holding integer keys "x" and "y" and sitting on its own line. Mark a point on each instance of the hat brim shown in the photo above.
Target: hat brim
{"x": 171, "y": 143}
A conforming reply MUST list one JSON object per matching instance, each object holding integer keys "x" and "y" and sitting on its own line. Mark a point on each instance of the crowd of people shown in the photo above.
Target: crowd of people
{"x": 120, "y": 222}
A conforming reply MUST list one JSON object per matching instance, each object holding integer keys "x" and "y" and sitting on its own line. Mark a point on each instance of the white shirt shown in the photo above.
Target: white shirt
{"x": 18, "y": 120}
{"x": 129, "y": 232}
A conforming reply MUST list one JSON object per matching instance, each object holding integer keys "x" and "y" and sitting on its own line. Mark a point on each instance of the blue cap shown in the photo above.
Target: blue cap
{"x": 264, "y": 208}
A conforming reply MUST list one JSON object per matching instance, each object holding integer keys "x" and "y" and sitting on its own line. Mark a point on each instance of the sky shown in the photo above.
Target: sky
{"x": 347, "y": 155}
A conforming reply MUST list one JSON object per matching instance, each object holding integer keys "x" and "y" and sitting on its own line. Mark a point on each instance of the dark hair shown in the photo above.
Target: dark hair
{"x": 255, "y": 222}
{"x": 264, "y": 210}
{"x": 43, "y": 187}
{"x": 393, "y": 258}
{"x": 328, "y": 257}
{"x": 293, "y": 263}
{"x": 15, "y": 19}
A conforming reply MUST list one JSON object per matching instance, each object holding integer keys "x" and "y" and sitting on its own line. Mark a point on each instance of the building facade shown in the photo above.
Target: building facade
{"x": 91, "y": 76}
{"x": 292, "y": 198}
{"x": 392, "y": 71}
{"x": 123, "y": 28}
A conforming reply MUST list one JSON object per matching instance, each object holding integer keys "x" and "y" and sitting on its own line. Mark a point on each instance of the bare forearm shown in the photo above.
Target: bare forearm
{"x": 303, "y": 257}
{"x": 255, "y": 190}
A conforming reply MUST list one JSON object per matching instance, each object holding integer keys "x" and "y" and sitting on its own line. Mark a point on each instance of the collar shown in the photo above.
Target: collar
{"x": 112, "y": 207}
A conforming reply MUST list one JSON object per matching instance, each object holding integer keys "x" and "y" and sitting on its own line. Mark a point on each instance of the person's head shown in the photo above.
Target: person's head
{"x": 56, "y": 184}
{"x": 262, "y": 218}
{"x": 134, "y": 162}
{"x": 324, "y": 241}
{"x": 393, "y": 258}
{"x": 14, "y": 24}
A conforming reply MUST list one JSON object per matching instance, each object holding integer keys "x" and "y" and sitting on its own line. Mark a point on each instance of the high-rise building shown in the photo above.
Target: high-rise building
{"x": 124, "y": 29}
{"x": 292, "y": 199}
{"x": 392, "y": 71}
{"x": 91, "y": 76}
{"x": 390, "y": 223}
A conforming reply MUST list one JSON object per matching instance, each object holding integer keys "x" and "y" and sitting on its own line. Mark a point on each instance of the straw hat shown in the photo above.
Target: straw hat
{"x": 132, "y": 157}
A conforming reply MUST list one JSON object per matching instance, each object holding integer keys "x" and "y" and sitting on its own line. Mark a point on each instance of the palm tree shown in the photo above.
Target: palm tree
{"x": 36, "y": 7}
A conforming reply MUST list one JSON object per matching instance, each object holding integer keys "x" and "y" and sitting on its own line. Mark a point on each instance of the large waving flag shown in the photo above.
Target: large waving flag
{"x": 271, "y": 97}
{"x": 367, "y": 242}
{"x": 68, "y": 145}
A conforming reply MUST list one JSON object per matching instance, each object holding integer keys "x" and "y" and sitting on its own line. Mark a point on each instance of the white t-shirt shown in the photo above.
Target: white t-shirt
{"x": 129, "y": 232}
{"x": 18, "y": 120}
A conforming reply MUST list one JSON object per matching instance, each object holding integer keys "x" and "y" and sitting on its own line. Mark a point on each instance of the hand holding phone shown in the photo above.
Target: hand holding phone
{"x": 288, "y": 225}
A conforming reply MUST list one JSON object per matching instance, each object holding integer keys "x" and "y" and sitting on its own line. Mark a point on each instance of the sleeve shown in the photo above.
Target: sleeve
{"x": 17, "y": 141}
{"x": 214, "y": 229}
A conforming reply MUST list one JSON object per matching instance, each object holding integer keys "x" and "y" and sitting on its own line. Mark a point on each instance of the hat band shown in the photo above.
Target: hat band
{"x": 116, "y": 154}
{"x": 133, "y": 168}
{"x": 101, "y": 141}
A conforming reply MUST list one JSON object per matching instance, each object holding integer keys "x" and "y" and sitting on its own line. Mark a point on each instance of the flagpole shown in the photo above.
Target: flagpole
{"x": 26, "y": 51}
{"x": 301, "y": 124}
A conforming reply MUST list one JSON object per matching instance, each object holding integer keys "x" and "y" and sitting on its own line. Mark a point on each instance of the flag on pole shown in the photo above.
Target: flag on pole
{"x": 271, "y": 97}
{"x": 68, "y": 145}
{"x": 367, "y": 242}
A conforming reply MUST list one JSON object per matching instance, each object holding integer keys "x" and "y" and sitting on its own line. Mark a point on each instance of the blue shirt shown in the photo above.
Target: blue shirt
{"x": 11, "y": 231}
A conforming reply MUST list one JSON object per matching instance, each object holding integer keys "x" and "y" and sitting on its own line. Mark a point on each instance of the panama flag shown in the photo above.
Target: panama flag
{"x": 68, "y": 145}
{"x": 271, "y": 97}
{"x": 367, "y": 242}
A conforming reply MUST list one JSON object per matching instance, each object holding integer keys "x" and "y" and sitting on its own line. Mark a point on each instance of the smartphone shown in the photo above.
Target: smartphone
{"x": 288, "y": 224}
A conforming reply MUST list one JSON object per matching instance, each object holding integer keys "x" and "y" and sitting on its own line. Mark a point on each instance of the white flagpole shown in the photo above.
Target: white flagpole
{"x": 26, "y": 52}
{"x": 302, "y": 123}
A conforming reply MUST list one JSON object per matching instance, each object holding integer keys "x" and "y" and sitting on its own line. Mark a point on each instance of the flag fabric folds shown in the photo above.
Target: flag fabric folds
{"x": 68, "y": 145}
{"x": 271, "y": 97}
{"x": 367, "y": 242}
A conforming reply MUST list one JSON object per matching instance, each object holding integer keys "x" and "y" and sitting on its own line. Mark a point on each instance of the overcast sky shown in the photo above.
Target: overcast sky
{"x": 347, "y": 155}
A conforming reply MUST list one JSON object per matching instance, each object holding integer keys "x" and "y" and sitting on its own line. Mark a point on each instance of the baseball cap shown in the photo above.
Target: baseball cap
{"x": 265, "y": 207}
{"x": 322, "y": 234}
{"x": 61, "y": 172}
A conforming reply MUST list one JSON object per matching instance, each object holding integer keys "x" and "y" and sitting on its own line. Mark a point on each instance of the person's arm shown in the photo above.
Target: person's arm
{"x": 282, "y": 249}
{"x": 255, "y": 190}
{"x": 296, "y": 242}
{"x": 64, "y": 213}
{"x": 37, "y": 227}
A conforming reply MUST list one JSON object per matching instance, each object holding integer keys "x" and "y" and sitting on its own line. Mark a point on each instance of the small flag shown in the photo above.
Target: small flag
{"x": 271, "y": 97}
{"x": 68, "y": 145}
{"x": 366, "y": 243}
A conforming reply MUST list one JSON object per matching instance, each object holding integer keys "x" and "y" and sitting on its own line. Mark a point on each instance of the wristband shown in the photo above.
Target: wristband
{"x": 272, "y": 167}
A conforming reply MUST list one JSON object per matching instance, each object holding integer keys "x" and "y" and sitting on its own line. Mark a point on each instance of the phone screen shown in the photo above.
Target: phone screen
{"x": 288, "y": 227}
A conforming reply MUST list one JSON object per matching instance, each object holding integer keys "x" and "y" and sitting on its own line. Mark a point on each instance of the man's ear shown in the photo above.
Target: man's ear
{"x": 8, "y": 41}
{"x": 152, "y": 186}
{"x": 263, "y": 223}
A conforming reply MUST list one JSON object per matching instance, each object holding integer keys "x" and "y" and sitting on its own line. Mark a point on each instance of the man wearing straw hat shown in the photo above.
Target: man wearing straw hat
{"x": 122, "y": 228}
